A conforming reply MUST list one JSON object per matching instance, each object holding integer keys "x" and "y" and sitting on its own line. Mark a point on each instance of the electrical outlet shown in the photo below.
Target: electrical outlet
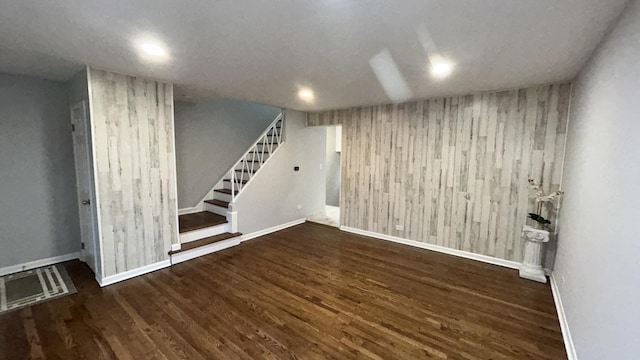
{"x": 321, "y": 166}
{"x": 299, "y": 207}
{"x": 400, "y": 227}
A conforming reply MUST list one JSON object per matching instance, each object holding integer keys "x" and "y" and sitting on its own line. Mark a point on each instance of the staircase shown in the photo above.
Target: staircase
{"x": 215, "y": 228}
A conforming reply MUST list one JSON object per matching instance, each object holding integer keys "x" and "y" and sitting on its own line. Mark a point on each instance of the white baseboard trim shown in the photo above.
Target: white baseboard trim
{"x": 132, "y": 273}
{"x": 204, "y": 250}
{"x": 564, "y": 324}
{"x": 176, "y": 247}
{"x": 259, "y": 233}
{"x": 204, "y": 233}
{"x": 190, "y": 210}
{"x": 38, "y": 263}
{"x": 441, "y": 249}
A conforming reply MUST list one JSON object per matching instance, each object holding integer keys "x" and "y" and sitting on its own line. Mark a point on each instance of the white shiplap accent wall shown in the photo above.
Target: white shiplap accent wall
{"x": 452, "y": 171}
{"x": 133, "y": 136}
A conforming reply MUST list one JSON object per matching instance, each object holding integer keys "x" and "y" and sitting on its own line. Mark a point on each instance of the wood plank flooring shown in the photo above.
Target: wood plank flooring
{"x": 307, "y": 292}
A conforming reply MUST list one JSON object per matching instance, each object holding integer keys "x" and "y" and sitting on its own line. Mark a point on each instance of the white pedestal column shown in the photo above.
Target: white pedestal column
{"x": 531, "y": 267}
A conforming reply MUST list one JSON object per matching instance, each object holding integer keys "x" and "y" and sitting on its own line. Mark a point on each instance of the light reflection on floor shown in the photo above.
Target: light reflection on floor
{"x": 330, "y": 216}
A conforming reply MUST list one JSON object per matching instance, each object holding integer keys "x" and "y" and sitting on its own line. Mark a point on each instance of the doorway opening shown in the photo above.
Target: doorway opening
{"x": 333, "y": 178}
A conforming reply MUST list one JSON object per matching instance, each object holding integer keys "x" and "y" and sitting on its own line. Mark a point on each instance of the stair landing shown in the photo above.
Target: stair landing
{"x": 199, "y": 220}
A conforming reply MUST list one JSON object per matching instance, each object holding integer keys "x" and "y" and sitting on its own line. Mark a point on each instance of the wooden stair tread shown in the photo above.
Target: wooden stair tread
{"x": 238, "y": 181}
{"x": 206, "y": 241}
{"x": 199, "y": 220}
{"x": 224, "y": 191}
{"x": 217, "y": 202}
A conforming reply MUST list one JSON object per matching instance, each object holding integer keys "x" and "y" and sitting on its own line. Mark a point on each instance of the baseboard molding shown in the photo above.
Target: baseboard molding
{"x": 190, "y": 210}
{"x": 38, "y": 263}
{"x": 564, "y": 324}
{"x": 440, "y": 249}
{"x": 176, "y": 247}
{"x": 259, "y": 233}
{"x": 204, "y": 250}
{"x": 132, "y": 273}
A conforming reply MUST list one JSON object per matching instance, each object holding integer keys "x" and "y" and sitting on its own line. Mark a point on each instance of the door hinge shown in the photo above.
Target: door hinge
{"x": 73, "y": 127}
{"x": 82, "y": 246}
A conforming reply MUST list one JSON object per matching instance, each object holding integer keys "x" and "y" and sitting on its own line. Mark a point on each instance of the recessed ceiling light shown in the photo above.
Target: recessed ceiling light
{"x": 305, "y": 94}
{"x": 153, "y": 49}
{"x": 441, "y": 69}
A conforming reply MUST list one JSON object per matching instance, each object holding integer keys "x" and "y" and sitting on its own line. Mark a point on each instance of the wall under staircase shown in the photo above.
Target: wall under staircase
{"x": 276, "y": 196}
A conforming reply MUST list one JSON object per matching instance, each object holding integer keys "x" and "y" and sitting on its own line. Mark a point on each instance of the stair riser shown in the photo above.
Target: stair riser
{"x": 216, "y": 209}
{"x": 204, "y": 250}
{"x": 222, "y": 196}
{"x": 204, "y": 233}
{"x": 253, "y": 168}
{"x": 265, "y": 148}
{"x": 227, "y": 185}
{"x": 240, "y": 177}
{"x": 259, "y": 156}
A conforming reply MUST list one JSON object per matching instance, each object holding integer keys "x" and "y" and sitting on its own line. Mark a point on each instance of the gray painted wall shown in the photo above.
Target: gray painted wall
{"x": 212, "y": 134}
{"x": 38, "y": 210}
{"x": 272, "y": 197}
{"x": 598, "y": 259}
{"x": 332, "y": 169}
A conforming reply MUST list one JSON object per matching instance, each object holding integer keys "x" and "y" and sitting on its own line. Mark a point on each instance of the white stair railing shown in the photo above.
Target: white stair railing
{"x": 256, "y": 156}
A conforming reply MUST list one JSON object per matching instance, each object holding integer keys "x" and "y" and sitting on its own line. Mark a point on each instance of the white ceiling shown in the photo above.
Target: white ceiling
{"x": 264, "y": 51}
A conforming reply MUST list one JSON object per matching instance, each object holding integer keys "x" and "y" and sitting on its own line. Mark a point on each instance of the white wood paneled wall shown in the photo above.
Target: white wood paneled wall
{"x": 133, "y": 134}
{"x": 453, "y": 171}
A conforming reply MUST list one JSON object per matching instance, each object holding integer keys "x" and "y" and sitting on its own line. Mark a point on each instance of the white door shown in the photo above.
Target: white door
{"x": 87, "y": 210}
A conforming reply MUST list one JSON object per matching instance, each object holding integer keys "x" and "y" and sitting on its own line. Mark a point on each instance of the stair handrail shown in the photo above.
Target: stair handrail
{"x": 279, "y": 141}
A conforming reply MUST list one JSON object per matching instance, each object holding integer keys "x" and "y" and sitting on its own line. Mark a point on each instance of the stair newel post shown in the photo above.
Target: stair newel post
{"x": 233, "y": 185}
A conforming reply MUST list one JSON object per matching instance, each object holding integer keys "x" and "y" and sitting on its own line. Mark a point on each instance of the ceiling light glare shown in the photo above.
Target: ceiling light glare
{"x": 306, "y": 94}
{"x": 152, "y": 50}
{"x": 441, "y": 69}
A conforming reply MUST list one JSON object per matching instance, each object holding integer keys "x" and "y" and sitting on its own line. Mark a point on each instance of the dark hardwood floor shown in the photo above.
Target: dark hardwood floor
{"x": 307, "y": 292}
